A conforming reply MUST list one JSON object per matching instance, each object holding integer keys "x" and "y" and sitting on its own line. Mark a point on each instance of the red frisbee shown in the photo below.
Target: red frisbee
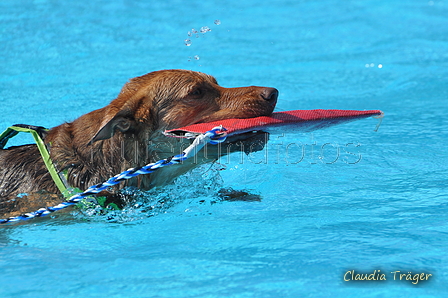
{"x": 298, "y": 120}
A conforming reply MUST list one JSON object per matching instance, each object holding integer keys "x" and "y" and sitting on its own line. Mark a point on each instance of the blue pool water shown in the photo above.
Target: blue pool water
{"x": 341, "y": 199}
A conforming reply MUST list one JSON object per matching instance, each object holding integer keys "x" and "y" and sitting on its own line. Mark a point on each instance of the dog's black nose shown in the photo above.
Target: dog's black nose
{"x": 270, "y": 94}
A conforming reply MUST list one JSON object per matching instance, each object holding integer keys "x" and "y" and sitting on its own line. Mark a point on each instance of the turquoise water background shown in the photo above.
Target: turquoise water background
{"x": 345, "y": 198}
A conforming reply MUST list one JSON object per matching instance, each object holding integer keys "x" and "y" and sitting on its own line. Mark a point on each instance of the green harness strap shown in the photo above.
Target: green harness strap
{"x": 36, "y": 132}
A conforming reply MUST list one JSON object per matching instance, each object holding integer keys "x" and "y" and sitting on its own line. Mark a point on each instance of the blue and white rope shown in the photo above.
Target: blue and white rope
{"x": 214, "y": 136}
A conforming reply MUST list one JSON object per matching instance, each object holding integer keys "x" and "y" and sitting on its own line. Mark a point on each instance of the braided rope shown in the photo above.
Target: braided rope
{"x": 214, "y": 136}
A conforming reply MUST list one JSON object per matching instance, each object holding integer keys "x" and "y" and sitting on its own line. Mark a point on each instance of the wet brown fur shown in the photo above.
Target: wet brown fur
{"x": 126, "y": 133}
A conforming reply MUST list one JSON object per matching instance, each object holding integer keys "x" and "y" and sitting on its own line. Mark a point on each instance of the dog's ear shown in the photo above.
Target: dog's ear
{"x": 122, "y": 121}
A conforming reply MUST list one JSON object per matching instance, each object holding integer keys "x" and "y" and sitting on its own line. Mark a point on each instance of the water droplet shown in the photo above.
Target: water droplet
{"x": 205, "y": 29}
{"x": 187, "y": 42}
{"x": 372, "y": 65}
{"x": 196, "y": 57}
{"x": 380, "y": 65}
{"x": 217, "y": 22}
{"x": 194, "y": 31}
{"x": 189, "y": 33}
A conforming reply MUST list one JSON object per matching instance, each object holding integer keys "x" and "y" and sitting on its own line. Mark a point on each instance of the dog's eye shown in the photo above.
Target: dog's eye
{"x": 196, "y": 93}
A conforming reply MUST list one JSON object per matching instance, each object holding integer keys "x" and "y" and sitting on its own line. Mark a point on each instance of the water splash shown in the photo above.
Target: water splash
{"x": 205, "y": 29}
{"x": 198, "y": 187}
{"x": 193, "y": 32}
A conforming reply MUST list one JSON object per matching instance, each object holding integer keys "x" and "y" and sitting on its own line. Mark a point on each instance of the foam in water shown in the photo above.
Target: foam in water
{"x": 199, "y": 186}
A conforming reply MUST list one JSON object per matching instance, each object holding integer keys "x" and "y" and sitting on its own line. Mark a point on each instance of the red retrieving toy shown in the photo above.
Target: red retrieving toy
{"x": 298, "y": 121}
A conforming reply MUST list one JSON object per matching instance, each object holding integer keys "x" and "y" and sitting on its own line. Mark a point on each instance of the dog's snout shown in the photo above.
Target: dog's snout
{"x": 270, "y": 94}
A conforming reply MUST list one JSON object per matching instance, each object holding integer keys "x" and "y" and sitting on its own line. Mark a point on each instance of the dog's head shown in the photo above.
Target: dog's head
{"x": 169, "y": 99}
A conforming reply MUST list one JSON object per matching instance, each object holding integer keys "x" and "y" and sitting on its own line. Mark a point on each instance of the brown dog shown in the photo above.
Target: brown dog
{"x": 126, "y": 133}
